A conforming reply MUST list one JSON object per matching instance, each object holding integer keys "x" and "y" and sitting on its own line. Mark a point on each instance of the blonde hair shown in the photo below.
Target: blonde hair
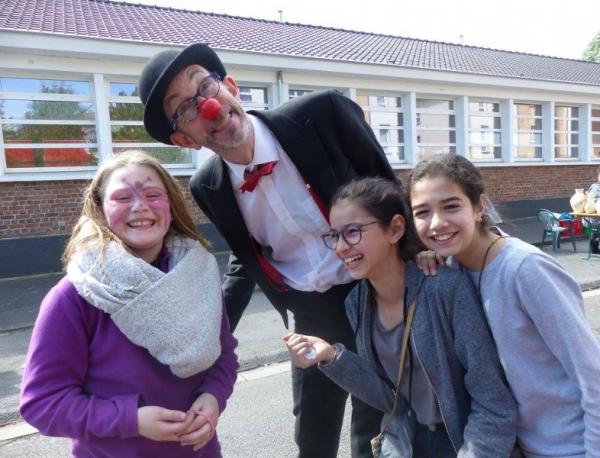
{"x": 91, "y": 230}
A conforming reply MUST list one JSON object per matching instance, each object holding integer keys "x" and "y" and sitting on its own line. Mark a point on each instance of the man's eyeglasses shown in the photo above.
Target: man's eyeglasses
{"x": 188, "y": 110}
{"x": 352, "y": 234}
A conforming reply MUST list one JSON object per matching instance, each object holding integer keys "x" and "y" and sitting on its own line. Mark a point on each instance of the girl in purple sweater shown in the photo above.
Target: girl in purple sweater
{"x": 131, "y": 354}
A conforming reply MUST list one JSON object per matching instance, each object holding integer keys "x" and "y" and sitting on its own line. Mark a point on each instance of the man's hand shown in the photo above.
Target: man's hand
{"x": 299, "y": 347}
{"x": 160, "y": 424}
{"x": 204, "y": 415}
{"x": 428, "y": 261}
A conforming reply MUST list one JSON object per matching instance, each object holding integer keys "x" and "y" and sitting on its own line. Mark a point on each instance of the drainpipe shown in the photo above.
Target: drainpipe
{"x": 280, "y": 89}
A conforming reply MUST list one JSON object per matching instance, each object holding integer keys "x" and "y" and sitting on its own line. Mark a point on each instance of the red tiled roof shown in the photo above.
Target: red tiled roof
{"x": 125, "y": 21}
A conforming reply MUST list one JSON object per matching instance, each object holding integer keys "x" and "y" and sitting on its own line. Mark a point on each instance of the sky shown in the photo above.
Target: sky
{"x": 561, "y": 28}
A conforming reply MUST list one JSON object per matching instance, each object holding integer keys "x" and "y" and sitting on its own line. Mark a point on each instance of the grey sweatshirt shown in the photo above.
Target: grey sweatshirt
{"x": 550, "y": 356}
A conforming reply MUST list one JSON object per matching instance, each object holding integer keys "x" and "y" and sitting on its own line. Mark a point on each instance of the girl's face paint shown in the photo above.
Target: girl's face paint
{"x": 137, "y": 209}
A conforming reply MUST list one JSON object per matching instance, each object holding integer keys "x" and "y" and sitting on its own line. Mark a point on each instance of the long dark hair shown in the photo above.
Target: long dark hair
{"x": 383, "y": 198}
{"x": 457, "y": 169}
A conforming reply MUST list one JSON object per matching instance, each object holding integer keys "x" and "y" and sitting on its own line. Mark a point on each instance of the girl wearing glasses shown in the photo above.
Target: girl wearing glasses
{"x": 452, "y": 399}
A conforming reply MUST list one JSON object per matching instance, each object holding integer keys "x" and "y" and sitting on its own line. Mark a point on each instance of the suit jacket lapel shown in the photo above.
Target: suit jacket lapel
{"x": 303, "y": 146}
{"x": 226, "y": 211}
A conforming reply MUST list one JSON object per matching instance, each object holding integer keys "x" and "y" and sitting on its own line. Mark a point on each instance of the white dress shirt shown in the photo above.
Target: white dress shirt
{"x": 283, "y": 217}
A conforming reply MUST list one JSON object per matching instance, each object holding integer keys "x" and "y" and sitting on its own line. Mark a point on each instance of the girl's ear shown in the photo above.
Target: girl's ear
{"x": 479, "y": 208}
{"x": 397, "y": 228}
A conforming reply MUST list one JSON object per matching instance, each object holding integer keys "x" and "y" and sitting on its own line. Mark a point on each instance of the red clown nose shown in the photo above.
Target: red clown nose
{"x": 210, "y": 108}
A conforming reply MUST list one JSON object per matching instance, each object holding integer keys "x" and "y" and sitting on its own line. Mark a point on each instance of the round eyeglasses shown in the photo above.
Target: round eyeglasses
{"x": 352, "y": 235}
{"x": 187, "y": 111}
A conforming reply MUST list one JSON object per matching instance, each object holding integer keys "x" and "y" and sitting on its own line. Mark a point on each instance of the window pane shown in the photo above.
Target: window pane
{"x": 596, "y": 139}
{"x": 489, "y": 138}
{"x": 484, "y": 107}
{"x": 529, "y": 152}
{"x": 527, "y": 110}
{"x": 426, "y": 151}
{"x": 395, "y": 153}
{"x": 134, "y": 134}
{"x": 253, "y": 95}
{"x": 165, "y": 154}
{"x": 379, "y": 118}
{"x": 485, "y": 152}
{"x": 436, "y": 136}
{"x": 596, "y": 151}
{"x": 596, "y": 113}
{"x": 527, "y": 139}
{"x": 35, "y": 133}
{"x": 45, "y": 86}
{"x": 123, "y": 89}
{"x": 529, "y": 124}
{"x": 566, "y": 152}
{"x": 565, "y": 124}
{"x": 596, "y": 126}
{"x": 566, "y": 112}
{"x": 566, "y": 139}
{"x": 435, "y": 120}
{"x": 45, "y": 109}
{"x": 50, "y": 157}
{"x": 432, "y": 104}
{"x": 384, "y": 101}
{"x": 484, "y": 122}
{"x": 126, "y": 111}
{"x": 389, "y": 136}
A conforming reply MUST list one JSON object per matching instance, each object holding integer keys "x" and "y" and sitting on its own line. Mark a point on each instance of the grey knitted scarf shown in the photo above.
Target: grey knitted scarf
{"x": 176, "y": 315}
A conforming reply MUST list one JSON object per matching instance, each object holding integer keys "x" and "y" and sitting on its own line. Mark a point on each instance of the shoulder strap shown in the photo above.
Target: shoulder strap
{"x": 403, "y": 350}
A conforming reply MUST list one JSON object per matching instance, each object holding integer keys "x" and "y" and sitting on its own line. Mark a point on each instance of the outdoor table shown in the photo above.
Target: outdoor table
{"x": 593, "y": 219}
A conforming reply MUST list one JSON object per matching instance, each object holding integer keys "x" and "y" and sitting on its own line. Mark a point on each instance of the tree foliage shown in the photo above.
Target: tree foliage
{"x": 592, "y": 52}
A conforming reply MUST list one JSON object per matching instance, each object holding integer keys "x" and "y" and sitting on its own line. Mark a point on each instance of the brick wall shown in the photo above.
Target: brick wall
{"x": 52, "y": 207}
{"x": 529, "y": 183}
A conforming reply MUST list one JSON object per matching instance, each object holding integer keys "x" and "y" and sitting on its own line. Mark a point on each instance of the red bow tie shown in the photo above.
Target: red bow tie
{"x": 252, "y": 178}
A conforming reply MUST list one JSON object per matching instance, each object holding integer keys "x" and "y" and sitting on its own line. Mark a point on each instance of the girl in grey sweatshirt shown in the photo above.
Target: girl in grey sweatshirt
{"x": 533, "y": 306}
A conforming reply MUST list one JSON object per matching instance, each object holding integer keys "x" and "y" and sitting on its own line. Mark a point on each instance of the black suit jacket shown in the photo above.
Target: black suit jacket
{"x": 326, "y": 137}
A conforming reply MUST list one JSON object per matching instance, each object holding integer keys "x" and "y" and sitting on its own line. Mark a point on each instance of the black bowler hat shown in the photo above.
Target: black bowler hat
{"x": 159, "y": 71}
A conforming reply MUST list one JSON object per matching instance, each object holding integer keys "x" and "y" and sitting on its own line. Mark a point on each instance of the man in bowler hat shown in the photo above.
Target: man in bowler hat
{"x": 268, "y": 190}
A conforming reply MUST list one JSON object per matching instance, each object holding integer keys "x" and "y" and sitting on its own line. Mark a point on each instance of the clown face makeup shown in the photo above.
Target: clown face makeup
{"x": 137, "y": 209}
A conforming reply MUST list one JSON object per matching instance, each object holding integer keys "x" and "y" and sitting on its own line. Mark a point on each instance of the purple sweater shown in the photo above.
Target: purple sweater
{"x": 85, "y": 380}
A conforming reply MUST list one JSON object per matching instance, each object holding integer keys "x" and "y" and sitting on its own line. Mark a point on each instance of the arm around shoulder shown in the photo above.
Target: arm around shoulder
{"x": 492, "y": 423}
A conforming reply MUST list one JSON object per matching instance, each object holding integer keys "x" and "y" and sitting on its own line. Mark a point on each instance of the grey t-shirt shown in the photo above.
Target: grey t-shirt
{"x": 550, "y": 356}
{"x": 387, "y": 344}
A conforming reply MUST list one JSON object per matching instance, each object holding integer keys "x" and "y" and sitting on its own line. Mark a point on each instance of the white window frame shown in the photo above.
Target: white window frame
{"x": 148, "y": 146}
{"x": 298, "y": 92}
{"x": 254, "y": 105}
{"x": 451, "y": 147}
{"x": 594, "y": 132}
{"x": 393, "y": 157}
{"x": 489, "y": 131}
{"x": 39, "y": 96}
{"x": 567, "y": 132}
{"x": 534, "y": 132}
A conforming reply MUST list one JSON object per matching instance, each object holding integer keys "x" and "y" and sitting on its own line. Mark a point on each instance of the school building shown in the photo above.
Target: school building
{"x": 68, "y": 100}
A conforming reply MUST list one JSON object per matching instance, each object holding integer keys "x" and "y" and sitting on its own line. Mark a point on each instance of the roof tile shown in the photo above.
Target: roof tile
{"x": 126, "y": 21}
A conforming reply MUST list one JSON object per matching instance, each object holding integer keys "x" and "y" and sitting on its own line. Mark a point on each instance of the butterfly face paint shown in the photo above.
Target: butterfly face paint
{"x": 137, "y": 209}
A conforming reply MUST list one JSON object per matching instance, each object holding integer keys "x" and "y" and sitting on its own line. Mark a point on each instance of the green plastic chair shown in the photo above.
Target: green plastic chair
{"x": 552, "y": 228}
